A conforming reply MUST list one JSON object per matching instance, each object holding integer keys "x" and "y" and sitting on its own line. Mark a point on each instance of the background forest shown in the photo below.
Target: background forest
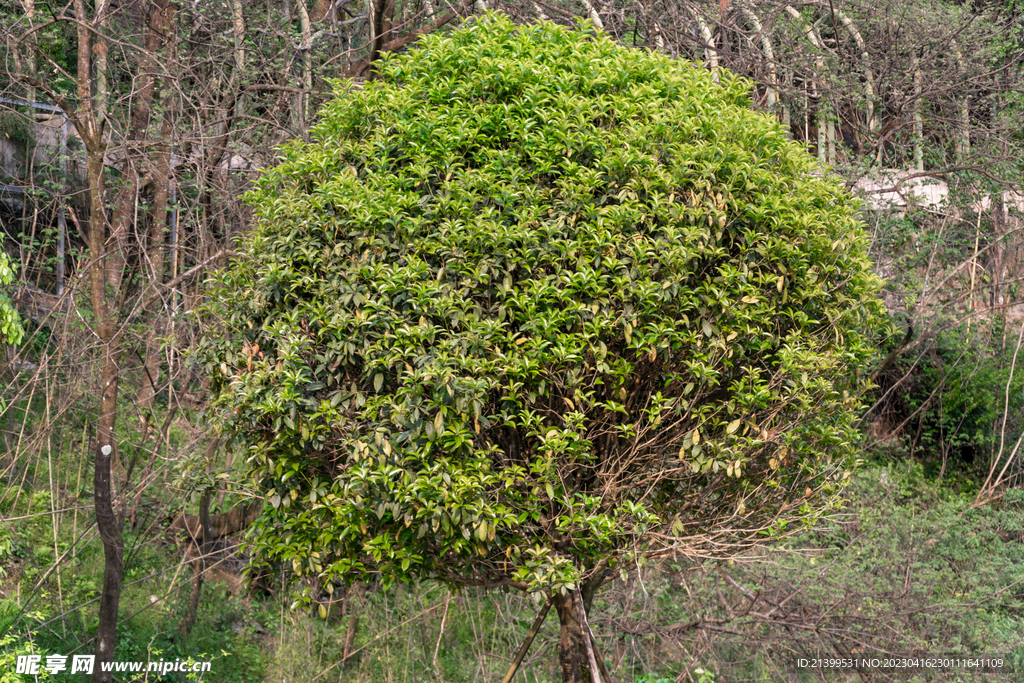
{"x": 131, "y": 130}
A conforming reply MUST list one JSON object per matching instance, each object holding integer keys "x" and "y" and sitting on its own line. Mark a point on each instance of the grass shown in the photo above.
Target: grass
{"x": 908, "y": 566}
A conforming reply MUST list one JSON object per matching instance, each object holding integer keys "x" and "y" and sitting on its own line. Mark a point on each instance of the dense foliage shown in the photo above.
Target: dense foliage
{"x": 11, "y": 330}
{"x": 533, "y": 303}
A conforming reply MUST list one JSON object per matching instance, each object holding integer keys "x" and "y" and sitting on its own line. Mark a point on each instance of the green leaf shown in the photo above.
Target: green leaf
{"x": 491, "y": 224}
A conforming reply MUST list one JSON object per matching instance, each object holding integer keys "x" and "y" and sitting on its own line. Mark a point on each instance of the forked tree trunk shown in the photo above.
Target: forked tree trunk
{"x": 572, "y": 643}
{"x": 88, "y": 121}
{"x": 578, "y": 657}
{"x": 107, "y": 522}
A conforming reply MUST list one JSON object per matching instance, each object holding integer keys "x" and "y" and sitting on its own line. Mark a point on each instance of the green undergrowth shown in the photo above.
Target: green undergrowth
{"x": 51, "y": 564}
{"x": 227, "y": 630}
{"x": 907, "y": 567}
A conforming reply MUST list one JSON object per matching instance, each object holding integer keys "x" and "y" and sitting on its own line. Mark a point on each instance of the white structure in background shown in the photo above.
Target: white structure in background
{"x": 888, "y": 189}
{"x": 894, "y": 189}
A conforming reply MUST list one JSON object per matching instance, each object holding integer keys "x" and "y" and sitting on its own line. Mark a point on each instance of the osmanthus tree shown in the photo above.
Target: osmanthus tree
{"x": 532, "y": 308}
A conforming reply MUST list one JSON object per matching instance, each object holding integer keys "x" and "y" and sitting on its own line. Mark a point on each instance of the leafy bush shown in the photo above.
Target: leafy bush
{"x": 533, "y": 307}
{"x": 11, "y": 329}
{"x": 946, "y": 408}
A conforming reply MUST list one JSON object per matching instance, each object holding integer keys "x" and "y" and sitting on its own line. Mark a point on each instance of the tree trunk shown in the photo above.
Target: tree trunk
{"x": 578, "y": 657}
{"x": 238, "y": 28}
{"x": 30, "y": 53}
{"x": 306, "y": 67}
{"x": 107, "y": 522}
{"x": 352, "y": 607}
{"x": 161, "y": 184}
{"x": 572, "y": 650}
{"x": 199, "y": 566}
{"x": 156, "y": 18}
{"x": 89, "y": 124}
{"x": 382, "y": 13}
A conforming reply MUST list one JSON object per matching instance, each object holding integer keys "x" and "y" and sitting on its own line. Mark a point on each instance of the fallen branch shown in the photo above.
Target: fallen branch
{"x": 514, "y": 667}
